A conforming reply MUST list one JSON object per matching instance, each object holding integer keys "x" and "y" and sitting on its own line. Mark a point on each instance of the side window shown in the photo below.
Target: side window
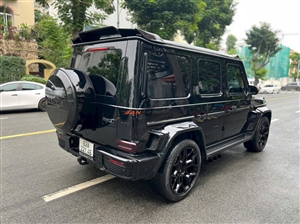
{"x": 9, "y": 87}
{"x": 28, "y": 86}
{"x": 209, "y": 78}
{"x": 235, "y": 81}
{"x": 168, "y": 75}
{"x": 38, "y": 87}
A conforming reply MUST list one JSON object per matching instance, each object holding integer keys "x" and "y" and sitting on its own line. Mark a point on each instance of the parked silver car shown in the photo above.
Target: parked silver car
{"x": 291, "y": 86}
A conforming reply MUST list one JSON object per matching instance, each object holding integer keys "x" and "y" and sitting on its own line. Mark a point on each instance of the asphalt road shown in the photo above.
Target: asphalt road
{"x": 242, "y": 187}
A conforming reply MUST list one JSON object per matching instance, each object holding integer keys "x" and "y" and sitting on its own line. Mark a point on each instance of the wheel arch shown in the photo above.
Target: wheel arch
{"x": 265, "y": 112}
{"x": 180, "y": 132}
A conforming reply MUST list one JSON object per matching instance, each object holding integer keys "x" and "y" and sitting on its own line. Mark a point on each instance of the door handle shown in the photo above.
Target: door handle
{"x": 14, "y": 95}
{"x": 37, "y": 94}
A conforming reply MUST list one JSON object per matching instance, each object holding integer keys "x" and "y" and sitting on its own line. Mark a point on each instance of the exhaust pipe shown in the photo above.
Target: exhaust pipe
{"x": 82, "y": 161}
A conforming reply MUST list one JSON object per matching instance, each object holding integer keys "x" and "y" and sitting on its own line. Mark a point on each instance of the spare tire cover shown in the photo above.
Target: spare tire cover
{"x": 67, "y": 90}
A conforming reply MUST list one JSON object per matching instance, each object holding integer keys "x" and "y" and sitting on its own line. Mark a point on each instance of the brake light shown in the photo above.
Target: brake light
{"x": 126, "y": 146}
{"x": 98, "y": 49}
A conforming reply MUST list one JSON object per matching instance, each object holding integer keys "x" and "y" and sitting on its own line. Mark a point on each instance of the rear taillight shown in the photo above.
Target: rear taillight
{"x": 126, "y": 146}
{"x": 98, "y": 49}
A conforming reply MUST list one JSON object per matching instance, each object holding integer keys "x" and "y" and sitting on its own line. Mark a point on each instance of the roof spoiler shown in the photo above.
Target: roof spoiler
{"x": 113, "y": 32}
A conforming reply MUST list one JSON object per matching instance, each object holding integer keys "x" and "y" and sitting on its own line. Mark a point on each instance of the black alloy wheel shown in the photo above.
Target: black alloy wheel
{"x": 263, "y": 133}
{"x": 258, "y": 143}
{"x": 180, "y": 171}
{"x": 184, "y": 170}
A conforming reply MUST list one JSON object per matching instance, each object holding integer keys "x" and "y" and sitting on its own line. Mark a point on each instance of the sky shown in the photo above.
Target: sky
{"x": 283, "y": 15}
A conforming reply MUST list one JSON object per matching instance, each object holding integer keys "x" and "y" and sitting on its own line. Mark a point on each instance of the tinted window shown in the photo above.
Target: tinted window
{"x": 167, "y": 75}
{"x": 28, "y": 86}
{"x": 209, "y": 78}
{"x": 9, "y": 87}
{"x": 102, "y": 62}
{"x": 235, "y": 81}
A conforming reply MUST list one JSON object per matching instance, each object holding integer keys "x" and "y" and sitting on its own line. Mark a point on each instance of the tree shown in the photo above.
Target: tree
{"x": 165, "y": 17}
{"x": 295, "y": 65}
{"x": 75, "y": 15}
{"x": 263, "y": 44}
{"x": 230, "y": 43}
{"x": 38, "y": 16}
{"x": 217, "y": 15}
{"x": 53, "y": 40}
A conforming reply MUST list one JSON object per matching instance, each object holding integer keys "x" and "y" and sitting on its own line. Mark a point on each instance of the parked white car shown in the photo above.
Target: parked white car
{"x": 270, "y": 89}
{"x": 22, "y": 95}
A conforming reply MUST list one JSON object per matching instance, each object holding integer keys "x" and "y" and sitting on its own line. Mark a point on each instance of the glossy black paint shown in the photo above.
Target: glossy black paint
{"x": 68, "y": 94}
{"x": 215, "y": 121}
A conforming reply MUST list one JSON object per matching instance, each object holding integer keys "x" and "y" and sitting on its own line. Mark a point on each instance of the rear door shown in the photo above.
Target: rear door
{"x": 209, "y": 98}
{"x": 30, "y": 95}
{"x": 238, "y": 101}
{"x": 108, "y": 60}
{"x": 9, "y": 96}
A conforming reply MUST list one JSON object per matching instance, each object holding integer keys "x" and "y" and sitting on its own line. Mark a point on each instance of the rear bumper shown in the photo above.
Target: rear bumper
{"x": 118, "y": 163}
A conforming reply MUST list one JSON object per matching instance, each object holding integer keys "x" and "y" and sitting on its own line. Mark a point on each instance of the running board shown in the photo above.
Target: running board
{"x": 213, "y": 151}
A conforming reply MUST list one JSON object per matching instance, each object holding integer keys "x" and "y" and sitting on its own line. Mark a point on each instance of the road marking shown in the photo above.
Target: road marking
{"x": 280, "y": 98}
{"x": 274, "y": 120}
{"x": 3, "y": 118}
{"x": 297, "y": 112}
{"x": 27, "y": 134}
{"x": 76, "y": 188}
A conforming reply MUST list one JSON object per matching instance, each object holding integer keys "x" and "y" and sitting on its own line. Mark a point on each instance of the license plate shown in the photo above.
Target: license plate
{"x": 86, "y": 148}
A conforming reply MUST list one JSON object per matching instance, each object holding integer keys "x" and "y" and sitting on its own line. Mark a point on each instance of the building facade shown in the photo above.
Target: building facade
{"x": 278, "y": 67}
{"x": 16, "y": 12}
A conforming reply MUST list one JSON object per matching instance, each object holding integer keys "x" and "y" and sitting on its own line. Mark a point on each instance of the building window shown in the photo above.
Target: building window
{"x": 6, "y": 16}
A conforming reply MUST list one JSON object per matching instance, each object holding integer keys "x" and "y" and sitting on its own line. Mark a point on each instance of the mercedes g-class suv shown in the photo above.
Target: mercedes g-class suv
{"x": 140, "y": 107}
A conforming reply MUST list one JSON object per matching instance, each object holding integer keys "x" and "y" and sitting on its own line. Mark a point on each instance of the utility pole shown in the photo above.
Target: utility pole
{"x": 118, "y": 14}
{"x": 286, "y": 34}
{"x": 298, "y": 69}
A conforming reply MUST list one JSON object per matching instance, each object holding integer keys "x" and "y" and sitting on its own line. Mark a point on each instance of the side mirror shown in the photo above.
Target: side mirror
{"x": 253, "y": 90}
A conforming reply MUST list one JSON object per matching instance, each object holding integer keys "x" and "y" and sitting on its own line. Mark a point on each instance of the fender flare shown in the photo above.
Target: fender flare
{"x": 172, "y": 132}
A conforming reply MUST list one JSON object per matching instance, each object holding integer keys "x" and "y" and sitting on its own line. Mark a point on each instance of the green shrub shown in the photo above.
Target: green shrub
{"x": 33, "y": 78}
{"x": 11, "y": 68}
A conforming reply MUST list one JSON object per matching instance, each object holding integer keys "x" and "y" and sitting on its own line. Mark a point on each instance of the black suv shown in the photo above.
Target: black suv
{"x": 140, "y": 107}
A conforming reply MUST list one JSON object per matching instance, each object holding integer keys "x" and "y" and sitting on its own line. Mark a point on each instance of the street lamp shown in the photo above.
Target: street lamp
{"x": 129, "y": 18}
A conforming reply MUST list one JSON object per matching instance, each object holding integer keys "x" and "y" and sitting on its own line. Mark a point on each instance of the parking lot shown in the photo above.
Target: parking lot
{"x": 41, "y": 183}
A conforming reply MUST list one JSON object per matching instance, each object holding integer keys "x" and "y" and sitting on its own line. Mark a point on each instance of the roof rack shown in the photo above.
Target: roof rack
{"x": 113, "y": 32}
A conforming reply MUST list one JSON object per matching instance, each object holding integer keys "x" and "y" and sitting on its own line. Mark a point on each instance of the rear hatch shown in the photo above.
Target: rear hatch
{"x": 84, "y": 100}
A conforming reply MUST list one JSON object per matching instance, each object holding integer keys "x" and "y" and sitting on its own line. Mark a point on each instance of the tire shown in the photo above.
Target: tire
{"x": 297, "y": 89}
{"x": 179, "y": 172}
{"x": 283, "y": 88}
{"x": 42, "y": 105}
{"x": 259, "y": 141}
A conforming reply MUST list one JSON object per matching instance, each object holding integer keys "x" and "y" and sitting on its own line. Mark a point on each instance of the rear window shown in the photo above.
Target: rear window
{"x": 30, "y": 86}
{"x": 100, "y": 61}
